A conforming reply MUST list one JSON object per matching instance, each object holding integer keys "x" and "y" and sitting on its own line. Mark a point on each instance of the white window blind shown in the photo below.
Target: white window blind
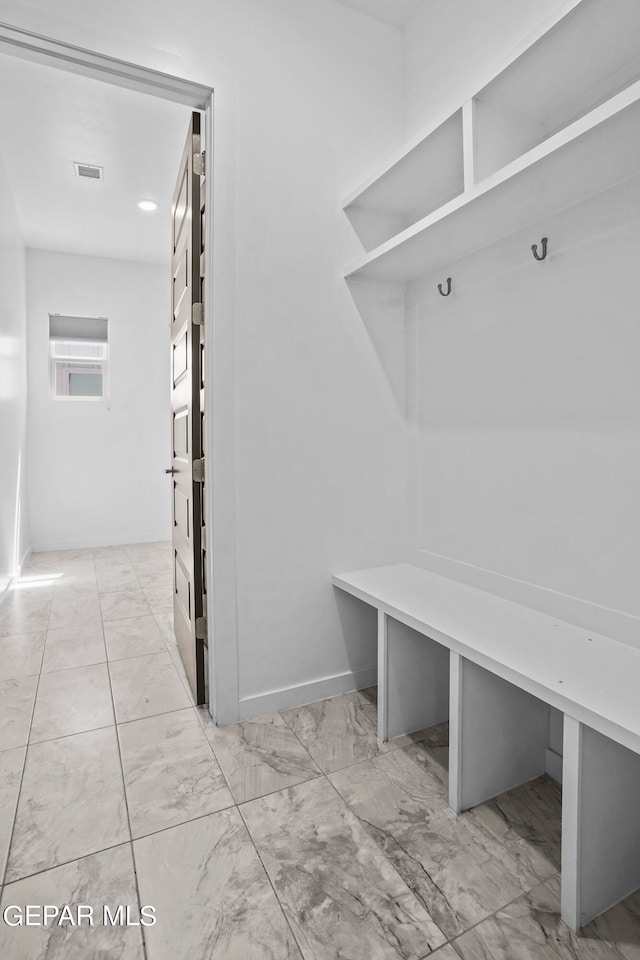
{"x": 90, "y": 329}
{"x": 78, "y": 357}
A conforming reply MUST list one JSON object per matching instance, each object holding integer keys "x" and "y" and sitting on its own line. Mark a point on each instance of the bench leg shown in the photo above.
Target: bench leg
{"x": 497, "y": 735}
{"x": 600, "y": 823}
{"x": 413, "y": 679}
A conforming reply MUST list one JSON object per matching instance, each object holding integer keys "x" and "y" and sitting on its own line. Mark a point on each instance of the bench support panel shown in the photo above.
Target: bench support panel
{"x": 600, "y": 823}
{"x": 413, "y": 679}
{"x": 498, "y": 735}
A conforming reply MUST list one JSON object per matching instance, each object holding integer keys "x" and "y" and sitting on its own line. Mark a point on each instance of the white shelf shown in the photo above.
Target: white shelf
{"x": 558, "y": 124}
{"x": 585, "y": 158}
{"x": 424, "y": 178}
{"x": 589, "y": 55}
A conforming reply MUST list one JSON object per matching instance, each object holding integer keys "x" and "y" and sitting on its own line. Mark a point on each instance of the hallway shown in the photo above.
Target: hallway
{"x": 294, "y": 835}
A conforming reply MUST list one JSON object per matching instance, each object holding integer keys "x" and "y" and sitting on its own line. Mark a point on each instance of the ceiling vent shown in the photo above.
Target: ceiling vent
{"x": 89, "y": 170}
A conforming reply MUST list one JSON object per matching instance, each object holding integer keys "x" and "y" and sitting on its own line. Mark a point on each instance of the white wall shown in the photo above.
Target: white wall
{"x": 524, "y": 394}
{"x": 14, "y": 521}
{"x": 96, "y": 468}
{"x": 451, "y": 48}
{"x": 310, "y": 98}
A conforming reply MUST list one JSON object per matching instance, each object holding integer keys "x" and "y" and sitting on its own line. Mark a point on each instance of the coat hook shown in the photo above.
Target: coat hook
{"x": 441, "y": 291}
{"x": 534, "y": 249}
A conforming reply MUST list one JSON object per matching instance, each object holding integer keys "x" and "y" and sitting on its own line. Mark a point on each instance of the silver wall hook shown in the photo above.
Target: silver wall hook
{"x": 543, "y": 246}
{"x": 441, "y": 291}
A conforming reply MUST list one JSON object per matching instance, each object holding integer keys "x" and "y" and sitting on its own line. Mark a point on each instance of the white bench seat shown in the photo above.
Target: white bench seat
{"x": 492, "y": 667}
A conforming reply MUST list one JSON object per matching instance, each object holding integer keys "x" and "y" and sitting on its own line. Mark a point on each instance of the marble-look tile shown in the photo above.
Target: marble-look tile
{"x": 21, "y": 656}
{"x": 340, "y": 894}
{"x": 152, "y": 566}
{"x": 156, "y": 580}
{"x": 116, "y": 551}
{"x": 445, "y": 953}
{"x": 259, "y": 756}
{"x": 72, "y": 701}
{"x": 124, "y": 604}
{"x": 54, "y": 558}
{"x": 531, "y": 929}
{"x": 117, "y": 579}
{"x": 31, "y": 592}
{"x": 71, "y": 803}
{"x": 527, "y": 821}
{"x": 60, "y": 563}
{"x": 133, "y": 637}
{"x": 105, "y": 878}
{"x": 76, "y": 645}
{"x": 70, "y": 585}
{"x": 69, "y": 611}
{"x": 20, "y": 616}
{"x": 36, "y": 583}
{"x": 174, "y": 653}
{"x": 113, "y": 562}
{"x": 459, "y": 871}
{"x": 212, "y": 896}
{"x": 342, "y": 730}
{"x": 11, "y": 762}
{"x": 144, "y": 686}
{"x": 165, "y": 625}
{"x": 16, "y": 707}
{"x": 159, "y": 598}
{"x": 338, "y": 731}
{"x": 150, "y": 547}
{"x": 170, "y": 773}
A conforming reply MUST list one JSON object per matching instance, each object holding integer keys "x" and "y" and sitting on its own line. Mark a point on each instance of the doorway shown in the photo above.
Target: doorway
{"x": 128, "y": 80}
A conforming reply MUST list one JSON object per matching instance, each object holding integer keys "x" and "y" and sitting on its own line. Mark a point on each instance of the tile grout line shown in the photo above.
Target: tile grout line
{"x": 353, "y": 763}
{"x": 106, "y": 726}
{"x": 266, "y": 873}
{"x": 392, "y": 866}
{"x": 251, "y": 840}
{"x": 126, "y": 799}
{"x": 65, "y": 863}
{"x": 3, "y": 882}
{"x": 235, "y": 804}
{"x": 322, "y": 775}
{"x": 327, "y": 776}
{"x": 494, "y": 913}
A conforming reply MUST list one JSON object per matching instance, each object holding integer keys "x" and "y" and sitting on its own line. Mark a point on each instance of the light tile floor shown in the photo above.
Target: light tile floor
{"x": 291, "y": 837}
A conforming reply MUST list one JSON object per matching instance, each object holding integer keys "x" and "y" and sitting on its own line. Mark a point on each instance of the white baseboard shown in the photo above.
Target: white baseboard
{"x": 554, "y": 765}
{"x": 11, "y": 581}
{"x": 25, "y": 558}
{"x": 263, "y": 703}
{"x": 44, "y": 546}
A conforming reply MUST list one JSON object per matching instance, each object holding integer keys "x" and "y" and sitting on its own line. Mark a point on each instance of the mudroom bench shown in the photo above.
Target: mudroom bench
{"x": 493, "y": 668}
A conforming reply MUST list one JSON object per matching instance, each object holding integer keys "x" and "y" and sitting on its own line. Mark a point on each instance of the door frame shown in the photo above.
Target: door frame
{"x": 219, "y": 324}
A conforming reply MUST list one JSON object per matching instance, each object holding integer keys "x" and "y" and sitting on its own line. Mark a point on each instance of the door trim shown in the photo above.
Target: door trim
{"x": 66, "y": 56}
{"x": 219, "y": 320}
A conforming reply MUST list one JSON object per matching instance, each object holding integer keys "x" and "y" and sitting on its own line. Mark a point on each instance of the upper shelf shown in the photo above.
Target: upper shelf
{"x": 421, "y": 180}
{"x": 556, "y": 125}
{"x": 594, "y": 152}
{"x": 589, "y": 55}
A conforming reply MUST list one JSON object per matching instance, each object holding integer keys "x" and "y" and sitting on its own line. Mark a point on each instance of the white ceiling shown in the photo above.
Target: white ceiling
{"x": 394, "y": 12}
{"x": 51, "y": 119}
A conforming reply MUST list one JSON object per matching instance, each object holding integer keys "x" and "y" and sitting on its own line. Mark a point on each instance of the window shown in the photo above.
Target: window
{"x": 78, "y": 357}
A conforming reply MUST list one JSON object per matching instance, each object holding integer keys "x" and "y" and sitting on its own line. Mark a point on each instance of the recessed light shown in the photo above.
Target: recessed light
{"x": 147, "y": 205}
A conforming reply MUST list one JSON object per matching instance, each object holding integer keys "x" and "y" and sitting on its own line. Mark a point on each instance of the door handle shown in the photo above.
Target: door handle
{"x": 171, "y": 470}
